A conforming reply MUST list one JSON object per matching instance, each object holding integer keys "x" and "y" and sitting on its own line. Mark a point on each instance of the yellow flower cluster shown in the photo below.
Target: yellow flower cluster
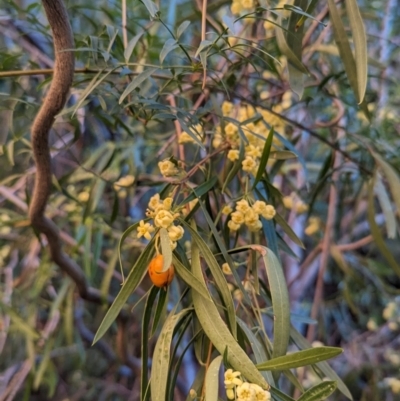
{"x": 394, "y": 384}
{"x": 255, "y": 133}
{"x": 250, "y": 215}
{"x": 123, "y": 183}
{"x": 243, "y": 391}
{"x": 168, "y": 168}
{"x": 184, "y": 137}
{"x": 391, "y": 313}
{"x": 160, "y": 211}
{"x": 314, "y": 225}
{"x": 293, "y": 202}
{"x": 241, "y": 6}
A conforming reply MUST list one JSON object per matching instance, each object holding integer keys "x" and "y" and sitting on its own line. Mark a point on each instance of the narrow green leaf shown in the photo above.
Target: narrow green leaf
{"x": 44, "y": 363}
{"x": 286, "y": 50}
{"x": 392, "y": 177}
{"x": 217, "y": 331}
{"x": 200, "y": 190}
{"x": 182, "y": 28}
{"x": 166, "y": 249}
{"x": 161, "y": 356}
{"x": 279, "y": 396}
{"x": 280, "y": 300}
{"x": 258, "y": 350}
{"x": 19, "y": 323}
{"x": 160, "y": 309}
{"x": 302, "y": 343}
{"x": 203, "y": 45}
{"x": 386, "y": 206}
{"x": 344, "y": 48}
{"x": 190, "y": 279}
{"x": 300, "y": 358}
{"x": 288, "y": 230}
{"x": 132, "y": 281}
{"x": 218, "y": 275}
{"x": 283, "y": 155}
{"x": 151, "y": 298}
{"x": 152, "y": 7}
{"x": 376, "y": 232}
{"x": 264, "y": 157}
{"x": 319, "y": 392}
{"x": 131, "y": 46}
{"x": 360, "y": 46}
{"x": 136, "y": 82}
{"x": 169, "y": 45}
{"x": 212, "y": 379}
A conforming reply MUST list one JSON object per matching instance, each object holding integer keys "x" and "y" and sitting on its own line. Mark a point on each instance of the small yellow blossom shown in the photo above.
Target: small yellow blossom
{"x": 257, "y": 226}
{"x": 175, "y": 233}
{"x": 389, "y": 310}
{"x": 167, "y": 203}
{"x": 259, "y": 207}
{"x": 394, "y": 384}
{"x": 313, "y": 226}
{"x": 217, "y": 140}
{"x": 122, "y": 193}
{"x": 393, "y": 326}
{"x": 260, "y": 393}
{"x": 245, "y": 392}
{"x": 226, "y": 108}
{"x": 184, "y": 137}
{"x": 250, "y": 218}
{"x": 231, "y": 130}
{"x": 163, "y": 218}
{"x": 167, "y": 168}
{"x": 238, "y": 217}
{"x": 249, "y": 164}
{"x": 226, "y": 210}
{"x": 287, "y": 202}
{"x": 269, "y": 212}
{"x": 233, "y": 155}
{"x": 230, "y": 393}
{"x": 253, "y": 151}
{"x": 238, "y": 295}
{"x": 192, "y": 393}
{"x": 233, "y": 226}
{"x": 145, "y": 230}
{"x": 154, "y": 201}
{"x": 301, "y": 207}
{"x": 126, "y": 181}
{"x": 231, "y": 378}
{"x": 242, "y": 206}
{"x": 226, "y": 269}
{"x": 371, "y": 325}
{"x": 83, "y": 196}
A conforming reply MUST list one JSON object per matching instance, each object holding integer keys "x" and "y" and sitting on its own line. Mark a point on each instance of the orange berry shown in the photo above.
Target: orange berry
{"x": 157, "y": 276}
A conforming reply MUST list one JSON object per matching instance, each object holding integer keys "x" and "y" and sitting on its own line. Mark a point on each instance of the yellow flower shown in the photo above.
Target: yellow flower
{"x": 226, "y": 210}
{"x": 233, "y": 226}
{"x": 269, "y": 212}
{"x": 167, "y": 203}
{"x": 163, "y": 219}
{"x": 249, "y": 164}
{"x": 237, "y": 217}
{"x": 260, "y": 394}
{"x": 231, "y": 130}
{"x": 175, "y": 233}
{"x": 245, "y": 393}
{"x": 226, "y": 108}
{"x": 257, "y": 226}
{"x": 231, "y": 378}
{"x": 236, "y": 8}
{"x": 301, "y": 207}
{"x": 83, "y": 196}
{"x": 144, "y": 230}
{"x": 259, "y": 207}
{"x": 154, "y": 202}
{"x": 230, "y": 393}
{"x": 126, "y": 181}
{"x": 248, "y": 4}
{"x": 233, "y": 155}
{"x": 242, "y": 206}
{"x": 250, "y": 218}
{"x": 226, "y": 269}
{"x": 389, "y": 311}
{"x": 287, "y": 202}
{"x": 253, "y": 151}
{"x": 167, "y": 168}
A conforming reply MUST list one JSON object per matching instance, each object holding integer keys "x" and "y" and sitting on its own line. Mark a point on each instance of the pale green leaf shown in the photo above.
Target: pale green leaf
{"x": 136, "y": 82}
{"x": 131, "y": 46}
{"x": 152, "y": 7}
{"x": 300, "y": 358}
{"x": 166, "y": 249}
{"x": 169, "y": 45}
{"x": 319, "y": 392}
{"x": 218, "y": 332}
{"x": 360, "y": 46}
{"x": 182, "y": 28}
{"x": 161, "y": 356}
{"x": 212, "y": 379}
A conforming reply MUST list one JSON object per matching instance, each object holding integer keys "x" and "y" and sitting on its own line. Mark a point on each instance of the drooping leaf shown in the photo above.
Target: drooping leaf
{"x": 166, "y": 249}
{"x": 212, "y": 380}
{"x": 136, "y": 82}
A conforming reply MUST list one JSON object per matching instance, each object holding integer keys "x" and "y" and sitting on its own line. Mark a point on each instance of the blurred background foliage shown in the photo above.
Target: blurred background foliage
{"x": 139, "y": 86}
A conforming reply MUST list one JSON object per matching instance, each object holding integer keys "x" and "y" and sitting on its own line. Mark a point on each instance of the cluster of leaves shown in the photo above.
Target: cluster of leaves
{"x": 139, "y": 89}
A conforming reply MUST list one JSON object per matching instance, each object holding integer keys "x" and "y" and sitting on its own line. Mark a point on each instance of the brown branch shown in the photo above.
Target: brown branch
{"x": 52, "y": 105}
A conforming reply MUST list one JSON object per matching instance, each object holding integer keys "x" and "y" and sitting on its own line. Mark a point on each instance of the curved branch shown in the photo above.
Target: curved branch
{"x": 52, "y": 105}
